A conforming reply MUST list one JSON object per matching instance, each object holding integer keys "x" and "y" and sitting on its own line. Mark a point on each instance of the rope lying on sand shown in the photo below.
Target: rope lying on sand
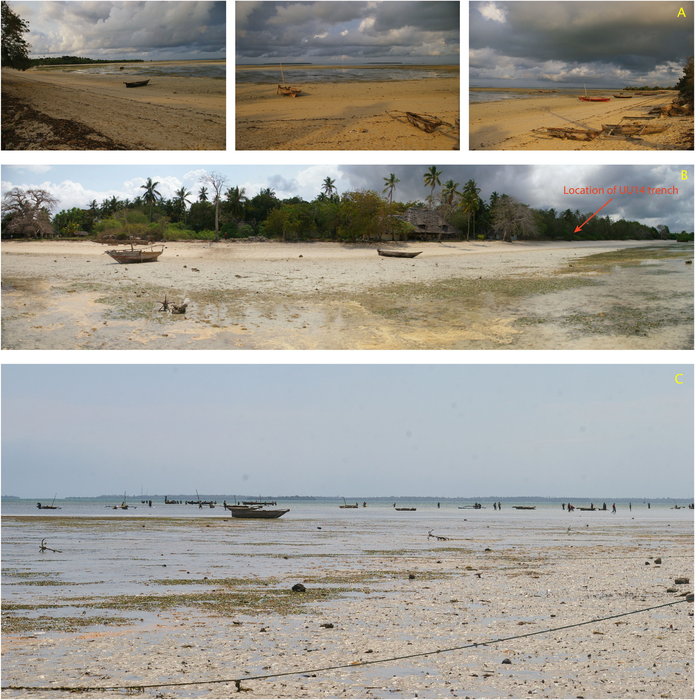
{"x": 238, "y": 681}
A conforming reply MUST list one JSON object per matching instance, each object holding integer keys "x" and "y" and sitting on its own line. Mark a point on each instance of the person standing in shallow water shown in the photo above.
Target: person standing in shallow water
{"x": 614, "y": 508}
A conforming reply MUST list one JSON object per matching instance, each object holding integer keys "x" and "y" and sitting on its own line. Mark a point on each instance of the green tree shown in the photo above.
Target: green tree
{"x": 151, "y": 194}
{"x": 15, "y": 49}
{"x": 685, "y": 84}
{"x": 432, "y": 181}
{"x": 449, "y": 193}
{"x": 471, "y": 197}
{"x": 236, "y": 203}
{"x": 363, "y": 213}
{"x": 203, "y": 194}
{"x": 328, "y": 187}
{"x": 181, "y": 201}
{"x": 27, "y": 212}
{"x": 391, "y": 181}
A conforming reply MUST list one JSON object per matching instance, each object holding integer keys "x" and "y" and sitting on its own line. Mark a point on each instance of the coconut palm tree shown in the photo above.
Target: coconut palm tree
{"x": 391, "y": 181}
{"x": 328, "y": 186}
{"x": 431, "y": 181}
{"x": 471, "y": 193}
{"x": 182, "y": 196}
{"x": 151, "y": 194}
{"x": 203, "y": 194}
{"x": 236, "y": 202}
{"x": 449, "y": 193}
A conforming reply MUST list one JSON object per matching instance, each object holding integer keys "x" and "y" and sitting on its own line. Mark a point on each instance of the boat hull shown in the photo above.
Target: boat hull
{"x": 256, "y": 513}
{"x": 595, "y": 99}
{"x": 134, "y": 256}
{"x": 139, "y": 83}
{"x": 398, "y": 253}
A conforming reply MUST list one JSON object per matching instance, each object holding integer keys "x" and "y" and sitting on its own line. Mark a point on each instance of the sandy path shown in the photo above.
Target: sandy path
{"x": 346, "y": 116}
{"x": 171, "y": 113}
{"x": 508, "y": 124}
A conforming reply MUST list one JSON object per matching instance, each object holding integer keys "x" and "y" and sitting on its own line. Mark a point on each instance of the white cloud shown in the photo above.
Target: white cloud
{"x": 493, "y": 12}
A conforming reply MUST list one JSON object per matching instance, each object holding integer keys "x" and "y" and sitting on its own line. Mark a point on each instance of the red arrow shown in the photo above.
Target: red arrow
{"x": 579, "y": 228}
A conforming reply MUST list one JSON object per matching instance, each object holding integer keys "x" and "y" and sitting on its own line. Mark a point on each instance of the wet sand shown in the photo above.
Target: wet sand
{"x": 171, "y": 113}
{"x": 209, "y": 599}
{"x": 346, "y": 116}
{"x": 268, "y": 295}
{"x": 508, "y": 124}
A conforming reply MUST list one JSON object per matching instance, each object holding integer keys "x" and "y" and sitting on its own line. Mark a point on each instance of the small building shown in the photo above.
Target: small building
{"x": 428, "y": 224}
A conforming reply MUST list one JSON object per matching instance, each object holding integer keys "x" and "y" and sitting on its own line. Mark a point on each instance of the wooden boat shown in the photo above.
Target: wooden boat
{"x": 134, "y": 256}
{"x": 51, "y": 507}
{"x": 137, "y": 83}
{"x": 634, "y": 129}
{"x": 578, "y": 508}
{"x": 623, "y": 97}
{"x": 562, "y": 132}
{"x": 406, "y": 508}
{"x": 584, "y": 98}
{"x": 287, "y": 89}
{"x": 259, "y": 503}
{"x": 397, "y": 253}
{"x": 524, "y": 507}
{"x": 348, "y": 505}
{"x": 255, "y": 512}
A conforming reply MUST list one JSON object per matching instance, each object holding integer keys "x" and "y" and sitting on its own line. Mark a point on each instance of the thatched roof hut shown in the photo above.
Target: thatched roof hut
{"x": 428, "y": 223}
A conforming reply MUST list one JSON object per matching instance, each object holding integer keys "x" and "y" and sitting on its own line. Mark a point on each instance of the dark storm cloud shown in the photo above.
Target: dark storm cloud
{"x": 152, "y": 30}
{"x": 428, "y": 31}
{"x": 542, "y": 187}
{"x": 575, "y": 41}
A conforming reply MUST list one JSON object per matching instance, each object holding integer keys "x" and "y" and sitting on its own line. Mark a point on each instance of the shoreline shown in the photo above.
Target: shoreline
{"x": 303, "y": 295}
{"x": 171, "y": 113}
{"x": 508, "y": 124}
{"x": 346, "y": 116}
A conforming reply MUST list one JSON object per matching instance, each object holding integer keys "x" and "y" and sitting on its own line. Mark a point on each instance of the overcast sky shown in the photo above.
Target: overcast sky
{"x": 326, "y": 430}
{"x": 347, "y": 32}
{"x": 567, "y": 44}
{"x": 540, "y": 186}
{"x": 153, "y": 31}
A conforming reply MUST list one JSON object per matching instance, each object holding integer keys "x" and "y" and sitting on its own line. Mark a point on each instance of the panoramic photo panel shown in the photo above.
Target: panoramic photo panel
{"x": 581, "y": 75}
{"x": 113, "y": 76}
{"x": 433, "y": 531}
{"x": 363, "y": 75}
{"x": 347, "y": 257}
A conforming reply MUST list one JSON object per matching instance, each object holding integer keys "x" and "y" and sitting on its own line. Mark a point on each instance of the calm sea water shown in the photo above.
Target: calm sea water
{"x": 193, "y": 69}
{"x": 489, "y": 95}
{"x": 337, "y": 74}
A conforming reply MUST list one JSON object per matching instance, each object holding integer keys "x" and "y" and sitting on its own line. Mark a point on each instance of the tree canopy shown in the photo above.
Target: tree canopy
{"x": 15, "y": 48}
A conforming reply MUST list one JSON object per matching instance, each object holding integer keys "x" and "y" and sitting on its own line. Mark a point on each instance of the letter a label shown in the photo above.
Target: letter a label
{"x": 681, "y": 13}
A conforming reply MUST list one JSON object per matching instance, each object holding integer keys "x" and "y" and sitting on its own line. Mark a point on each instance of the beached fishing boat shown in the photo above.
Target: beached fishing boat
{"x": 634, "y": 129}
{"x": 586, "y": 508}
{"x": 563, "y": 132}
{"x": 255, "y": 512}
{"x": 524, "y": 507}
{"x": 290, "y": 90}
{"x": 135, "y": 256}
{"x": 594, "y": 99}
{"x": 406, "y": 508}
{"x": 623, "y": 97}
{"x": 137, "y": 83}
{"x": 397, "y": 253}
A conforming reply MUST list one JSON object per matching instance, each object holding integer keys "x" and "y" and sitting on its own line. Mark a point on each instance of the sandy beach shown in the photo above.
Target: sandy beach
{"x": 150, "y": 600}
{"x": 313, "y": 295}
{"x": 347, "y": 116}
{"x": 60, "y": 110}
{"x": 508, "y": 124}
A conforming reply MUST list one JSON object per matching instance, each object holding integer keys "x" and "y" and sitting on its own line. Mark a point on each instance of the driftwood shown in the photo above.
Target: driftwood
{"x": 425, "y": 122}
{"x": 438, "y": 537}
{"x": 178, "y": 309}
{"x": 569, "y": 133}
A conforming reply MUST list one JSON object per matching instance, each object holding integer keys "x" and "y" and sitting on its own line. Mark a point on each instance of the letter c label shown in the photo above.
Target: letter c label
{"x": 678, "y": 375}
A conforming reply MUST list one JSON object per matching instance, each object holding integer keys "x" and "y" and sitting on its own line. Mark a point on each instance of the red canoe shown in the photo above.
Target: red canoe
{"x": 595, "y": 99}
